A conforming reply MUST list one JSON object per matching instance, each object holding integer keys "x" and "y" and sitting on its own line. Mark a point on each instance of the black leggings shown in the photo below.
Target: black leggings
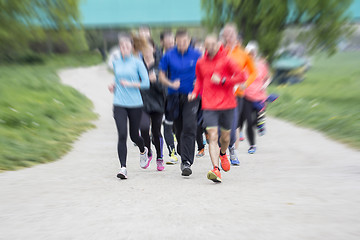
{"x": 200, "y": 130}
{"x": 199, "y": 137}
{"x": 121, "y": 115}
{"x": 169, "y": 135}
{"x": 156, "y": 120}
{"x": 249, "y": 115}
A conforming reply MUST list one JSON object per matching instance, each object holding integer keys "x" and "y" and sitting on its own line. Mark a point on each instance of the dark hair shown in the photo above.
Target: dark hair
{"x": 181, "y": 32}
{"x": 164, "y": 34}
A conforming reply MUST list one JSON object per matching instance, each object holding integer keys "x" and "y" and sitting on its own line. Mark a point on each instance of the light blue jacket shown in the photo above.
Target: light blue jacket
{"x": 133, "y": 70}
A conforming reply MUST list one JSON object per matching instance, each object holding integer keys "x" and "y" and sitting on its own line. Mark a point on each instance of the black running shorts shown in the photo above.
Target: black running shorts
{"x": 218, "y": 118}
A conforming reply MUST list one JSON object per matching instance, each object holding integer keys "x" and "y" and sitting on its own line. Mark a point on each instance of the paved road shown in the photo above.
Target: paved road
{"x": 299, "y": 185}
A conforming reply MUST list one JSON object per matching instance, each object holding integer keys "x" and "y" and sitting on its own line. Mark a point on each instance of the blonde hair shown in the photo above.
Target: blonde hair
{"x": 140, "y": 43}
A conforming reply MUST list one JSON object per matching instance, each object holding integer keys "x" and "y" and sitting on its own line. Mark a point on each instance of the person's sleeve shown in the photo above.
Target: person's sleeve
{"x": 237, "y": 74}
{"x": 110, "y": 63}
{"x": 250, "y": 66}
{"x": 267, "y": 71}
{"x": 199, "y": 81}
{"x": 164, "y": 63}
{"x": 112, "y": 57}
{"x": 144, "y": 76}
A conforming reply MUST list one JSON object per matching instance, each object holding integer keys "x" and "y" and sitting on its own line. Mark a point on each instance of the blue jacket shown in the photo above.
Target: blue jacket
{"x": 182, "y": 67}
{"x": 133, "y": 70}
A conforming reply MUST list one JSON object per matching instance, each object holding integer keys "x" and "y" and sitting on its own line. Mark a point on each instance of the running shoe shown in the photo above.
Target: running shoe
{"x": 173, "y": 158}
{"x": 144, "y": 159}
{"x": 201, "y": 153}
{"x": 214, "y": 175}
{"x": 150, "y": 155}
{"x": 272, "y": 97}
{"x": 252, "y": 149}
{"x": 233, "y": 158}
{"x": 207, "y": 137}
{"x": 160, "y": 164}
{"x": 185, "y": 168}
{"x": 225, "y": 164}
{"x": 122, "y": 173}
{"x": 261, "y": 130}
{"x": 241, "y": 138}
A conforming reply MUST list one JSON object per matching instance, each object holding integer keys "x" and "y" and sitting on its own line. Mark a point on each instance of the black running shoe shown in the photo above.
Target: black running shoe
{"x": 185, "y": 169}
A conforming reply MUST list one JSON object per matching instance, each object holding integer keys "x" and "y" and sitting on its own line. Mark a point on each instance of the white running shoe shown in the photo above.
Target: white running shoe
{"x": 122, "y": 173}
{"x": 144, "y": 159}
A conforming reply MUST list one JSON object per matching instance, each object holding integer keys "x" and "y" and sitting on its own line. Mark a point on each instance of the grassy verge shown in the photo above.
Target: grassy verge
{"x": 328, "y": 100}
{"x": 40, "y": 117}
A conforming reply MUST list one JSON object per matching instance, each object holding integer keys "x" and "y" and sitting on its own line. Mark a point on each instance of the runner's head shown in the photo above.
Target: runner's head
{"x": 221, "y": 37}
{"x": 125, "y": 43}
{"x": 252, "y": 48}
{"x": 144, "y": 31}
{"x": 212, "y": 45}
{"x": 148, "y": 50}
{"x": 167, "y": 40}
{"x": 182, "y": 40}
{"x": 230, "y": 34}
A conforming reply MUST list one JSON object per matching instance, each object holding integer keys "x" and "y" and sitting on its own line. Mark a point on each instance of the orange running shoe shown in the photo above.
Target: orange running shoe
{"x": 201, "y": 153}
{"x": 225, "y": 164}
{"x": 214, "y": 175}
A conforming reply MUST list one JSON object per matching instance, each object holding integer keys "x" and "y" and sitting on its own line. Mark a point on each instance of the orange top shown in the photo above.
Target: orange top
{"x": 244, "y": 61}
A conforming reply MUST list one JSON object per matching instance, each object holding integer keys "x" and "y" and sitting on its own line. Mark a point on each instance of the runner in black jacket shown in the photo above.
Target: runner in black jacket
{"x": 154, "y": 105}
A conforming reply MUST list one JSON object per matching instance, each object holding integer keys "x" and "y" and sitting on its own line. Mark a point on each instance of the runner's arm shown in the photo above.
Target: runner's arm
{"x": 144, "y": 76}
{"x": 163, "y": 68}
{"x": 198, "y": 82}
{"x": 237, "y": 75}
{"x": 250, "y": 66}
{"x": 268, "y": 78}
{"x": 163, "y": 79}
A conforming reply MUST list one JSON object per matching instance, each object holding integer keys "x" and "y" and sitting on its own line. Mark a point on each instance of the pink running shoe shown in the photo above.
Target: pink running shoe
{"x": 241, "y": 138}
{"x": 160, "y": 164}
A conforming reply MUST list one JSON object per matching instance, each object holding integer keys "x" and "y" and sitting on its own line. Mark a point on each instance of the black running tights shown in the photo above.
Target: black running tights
{"x": 121, "y": 115}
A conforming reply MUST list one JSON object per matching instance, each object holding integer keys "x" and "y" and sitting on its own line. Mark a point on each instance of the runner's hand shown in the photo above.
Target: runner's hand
{"x": 191, "y": 97}
{"x": 126, "y": 83}
{"x": 152, "y": 77}
{"x": 111, "y": 87}
{"x": 243, "y": 86}
{"x": 215, "y": 78}
{"x": 175, "y": 84}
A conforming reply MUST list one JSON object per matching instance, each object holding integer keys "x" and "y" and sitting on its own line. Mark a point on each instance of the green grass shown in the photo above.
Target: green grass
{"x": 328, "y": 100}
{"x": 40, "y": 117}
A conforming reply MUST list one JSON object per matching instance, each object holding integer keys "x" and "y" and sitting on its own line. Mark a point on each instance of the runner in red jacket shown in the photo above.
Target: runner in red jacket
{"x": 216, "y": 75}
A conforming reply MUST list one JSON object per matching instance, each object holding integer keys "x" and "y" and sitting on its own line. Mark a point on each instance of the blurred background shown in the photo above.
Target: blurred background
{"x": 313, "y": 48}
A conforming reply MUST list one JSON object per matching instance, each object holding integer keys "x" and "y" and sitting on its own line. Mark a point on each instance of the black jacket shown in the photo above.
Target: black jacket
{"x": 154, "y": 97}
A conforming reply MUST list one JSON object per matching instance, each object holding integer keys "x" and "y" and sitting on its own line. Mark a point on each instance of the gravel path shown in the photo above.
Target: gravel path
{"x": 299, "y": 185}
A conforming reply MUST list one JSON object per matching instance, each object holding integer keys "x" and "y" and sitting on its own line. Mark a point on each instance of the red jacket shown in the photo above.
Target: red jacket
{"x": 217, "y": 96}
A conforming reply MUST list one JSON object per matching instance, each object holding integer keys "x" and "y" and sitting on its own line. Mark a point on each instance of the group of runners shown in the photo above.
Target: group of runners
{"x": 191, "y": 88}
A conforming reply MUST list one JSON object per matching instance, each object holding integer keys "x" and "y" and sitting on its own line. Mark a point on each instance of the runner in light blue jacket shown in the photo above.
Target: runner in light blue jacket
{"x": 130, "y": 76}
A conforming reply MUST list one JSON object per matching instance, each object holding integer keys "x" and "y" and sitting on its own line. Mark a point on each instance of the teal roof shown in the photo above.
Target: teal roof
{"x": 355, "y": 10}
{"x": 153, "y": 12}
{"x": 135, "y": 12}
